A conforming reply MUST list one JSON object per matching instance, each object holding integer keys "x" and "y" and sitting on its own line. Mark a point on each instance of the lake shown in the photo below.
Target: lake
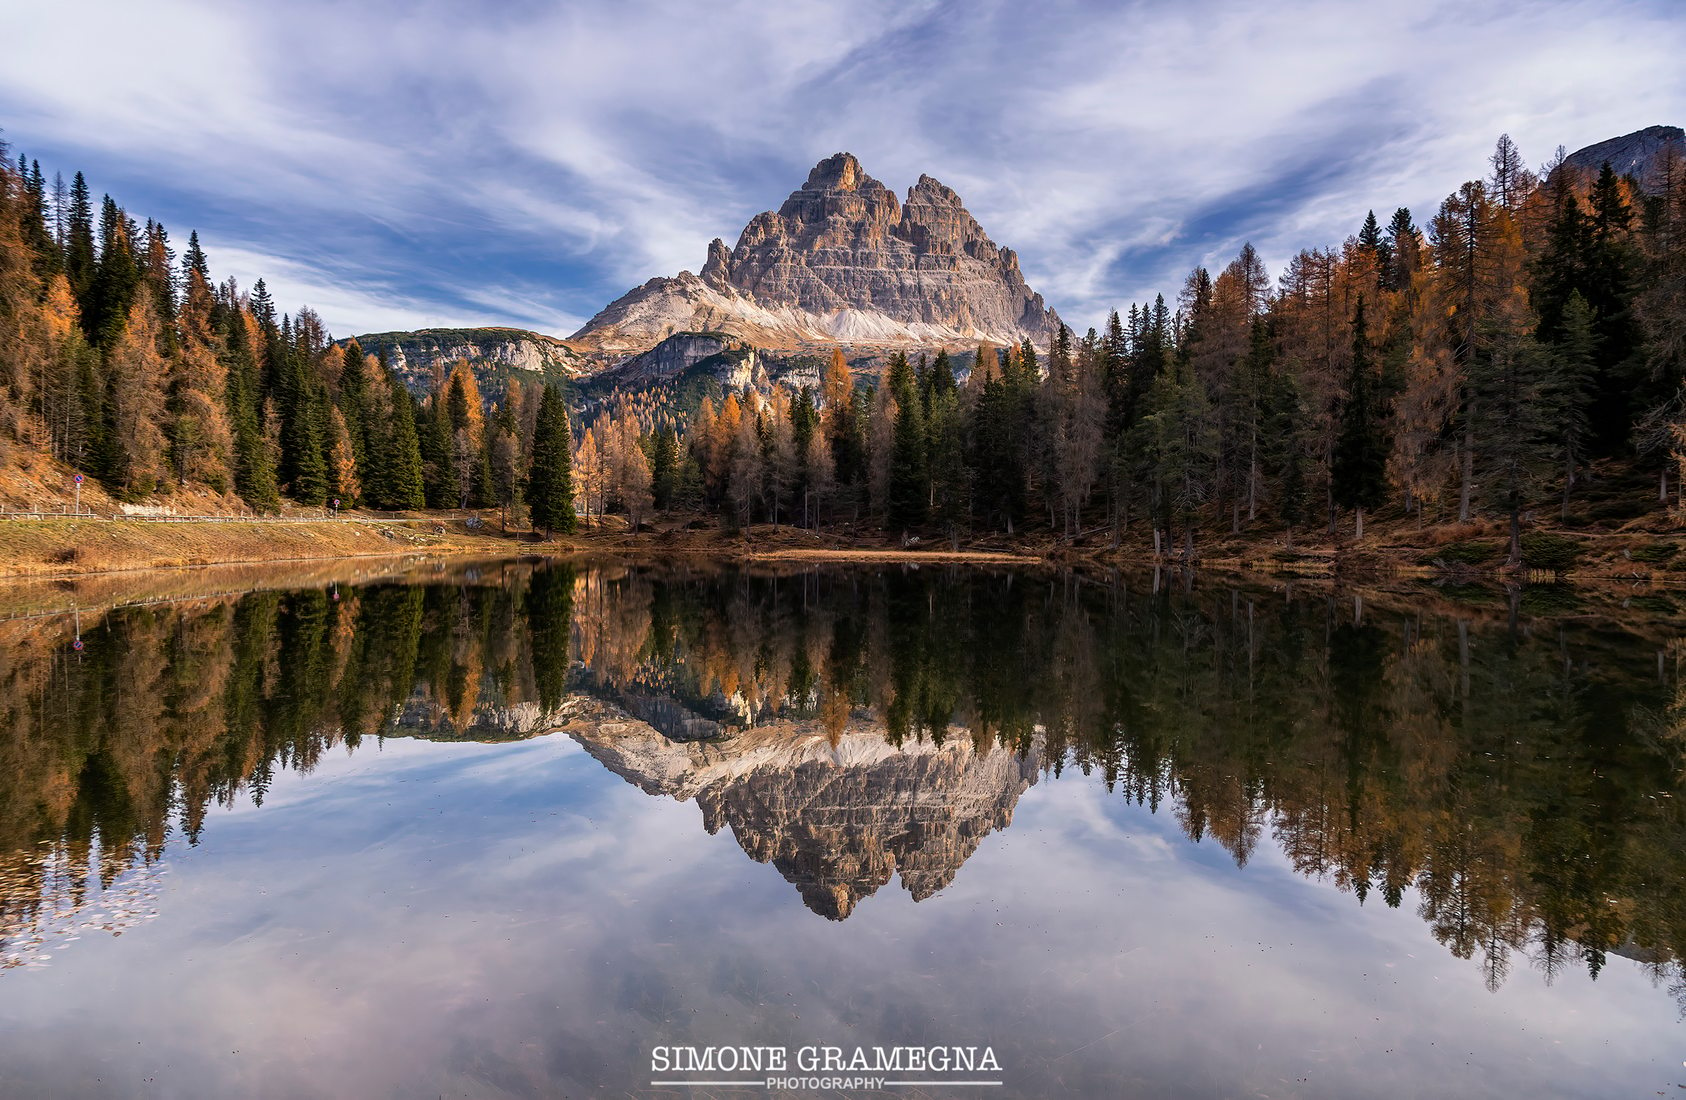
{"x": 538, "y": 829}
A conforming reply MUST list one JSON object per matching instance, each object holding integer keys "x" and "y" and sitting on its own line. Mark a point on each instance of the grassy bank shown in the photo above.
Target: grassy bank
{"x": 1649, "y": 554}
{"x": 49, "y": 547}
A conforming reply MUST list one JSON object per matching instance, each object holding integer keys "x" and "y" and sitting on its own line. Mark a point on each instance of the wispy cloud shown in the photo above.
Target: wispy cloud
{"x": 399, "y": 164}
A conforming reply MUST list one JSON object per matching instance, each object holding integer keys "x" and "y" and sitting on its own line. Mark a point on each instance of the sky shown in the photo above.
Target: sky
{"x": 411, "y": 164}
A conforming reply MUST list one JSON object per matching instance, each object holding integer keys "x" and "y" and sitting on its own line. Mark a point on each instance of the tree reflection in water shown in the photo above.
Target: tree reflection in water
{"x": 1517, "y": 779}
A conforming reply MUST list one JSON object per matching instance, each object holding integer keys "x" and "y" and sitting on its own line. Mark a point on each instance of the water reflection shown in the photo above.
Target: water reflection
{"x": 1517, "y": 780}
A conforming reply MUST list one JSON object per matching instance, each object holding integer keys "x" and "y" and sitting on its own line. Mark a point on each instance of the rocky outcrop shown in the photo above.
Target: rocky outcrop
{"x": 841, "y": 262}
{"x": 1639, "y": 154}
{"x": 497, "y": 354}
{"x": 728, "y": 358}
{"x": 837, "y": 817}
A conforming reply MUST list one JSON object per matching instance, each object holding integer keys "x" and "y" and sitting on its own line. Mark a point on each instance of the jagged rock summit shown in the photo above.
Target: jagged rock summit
{"x": 841, "y": 262}
{"x": 1639, "y": 154}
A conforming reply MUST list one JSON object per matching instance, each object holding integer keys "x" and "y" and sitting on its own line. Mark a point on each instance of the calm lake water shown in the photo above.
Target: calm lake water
{"x": 501, "y": 831}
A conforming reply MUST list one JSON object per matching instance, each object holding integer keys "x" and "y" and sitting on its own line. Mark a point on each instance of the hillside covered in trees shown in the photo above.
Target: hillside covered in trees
{"x": 123, "y": 361}
{"x": 1519, "y": 355}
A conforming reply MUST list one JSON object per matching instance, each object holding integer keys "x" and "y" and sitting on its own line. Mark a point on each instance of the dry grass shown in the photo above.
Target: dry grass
{"x": 70, "y": 546}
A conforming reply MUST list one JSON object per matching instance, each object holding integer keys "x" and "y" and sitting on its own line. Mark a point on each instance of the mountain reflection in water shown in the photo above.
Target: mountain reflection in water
{"x": 1520, "y": 783}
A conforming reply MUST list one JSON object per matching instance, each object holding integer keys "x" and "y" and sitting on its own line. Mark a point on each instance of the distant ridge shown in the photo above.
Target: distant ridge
{"x": 496, "y": 353}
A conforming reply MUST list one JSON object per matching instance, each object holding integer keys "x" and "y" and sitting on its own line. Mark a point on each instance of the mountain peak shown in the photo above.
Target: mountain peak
{"x": 932, "y": 190}
{"x": 842, "y": 261}
{"x": 838, "y": 172}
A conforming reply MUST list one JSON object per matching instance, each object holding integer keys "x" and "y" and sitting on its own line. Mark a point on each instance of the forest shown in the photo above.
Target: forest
{"x": 1520, "y": 357}
{"x": 1527, "y": 345}
{"x": 122, "y": 361}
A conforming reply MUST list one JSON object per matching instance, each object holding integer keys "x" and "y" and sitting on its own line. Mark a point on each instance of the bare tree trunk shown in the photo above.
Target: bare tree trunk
{"x": 1358, "y": 527}
{"x": 1467, "y": 460}
{"x": 1253, "y": 482}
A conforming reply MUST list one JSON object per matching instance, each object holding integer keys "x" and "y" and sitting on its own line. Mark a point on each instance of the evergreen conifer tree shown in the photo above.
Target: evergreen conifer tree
{"x": 1359, "y": 465}
{"x": 550, "y": 481}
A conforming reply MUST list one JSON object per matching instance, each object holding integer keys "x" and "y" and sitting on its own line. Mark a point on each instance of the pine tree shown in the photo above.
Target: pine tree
{"x": 254, "y": 472}
{"x": 157, "y": 263}
{"x": 1511, "y": 382}
{"x": 999, "y": 497}
{"x": 951, "y": 494}
{"x": 34, "y": 218}
{"x": 194, "y": 261}
{"x": 1611, "y": 269}
{"x": 79, "y": 249}
{"x": 664, "y": 468}
{"x": 1182, "y": 439}
{"x": 909, "y": 485}
{"x": 550, "y": 483}
{"x": 1559, "y": 270}
{"x": 116, "y": 278}
{"x": 1359, "y": 468}
{"x": 439, "y": 471}
{"x": 401, "y": 485}
{"x": 1573, "y": 367}
{"x": 804, "y": 428}
{"x": 1370, "y": 235}
{"x": 1403, "y": 243}
{"x": 303, "y": 407}
{"x": 263, "y": 307}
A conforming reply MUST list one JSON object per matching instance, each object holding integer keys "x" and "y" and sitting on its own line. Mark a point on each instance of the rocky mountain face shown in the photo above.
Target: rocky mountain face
{"x": 837, "y": 816}
{"x": 496, "y": 354}
{"x": 841, "y": 262}
{"x": 731, "y": 360}
{"x": 1639, "y": 154}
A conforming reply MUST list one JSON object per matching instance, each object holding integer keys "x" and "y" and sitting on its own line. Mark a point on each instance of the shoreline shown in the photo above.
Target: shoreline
{"x": 75, "y": 548}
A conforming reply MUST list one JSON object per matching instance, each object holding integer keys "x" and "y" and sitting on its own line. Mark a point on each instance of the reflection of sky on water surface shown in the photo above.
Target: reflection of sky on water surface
{"x": 448, "y": 919}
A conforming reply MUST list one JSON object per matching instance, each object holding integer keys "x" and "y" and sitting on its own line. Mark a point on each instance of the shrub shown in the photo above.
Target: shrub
{"x": 1462, "y": 553}
{"x": 1543, "y": 550}
{"x": 1655, "y": 553}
